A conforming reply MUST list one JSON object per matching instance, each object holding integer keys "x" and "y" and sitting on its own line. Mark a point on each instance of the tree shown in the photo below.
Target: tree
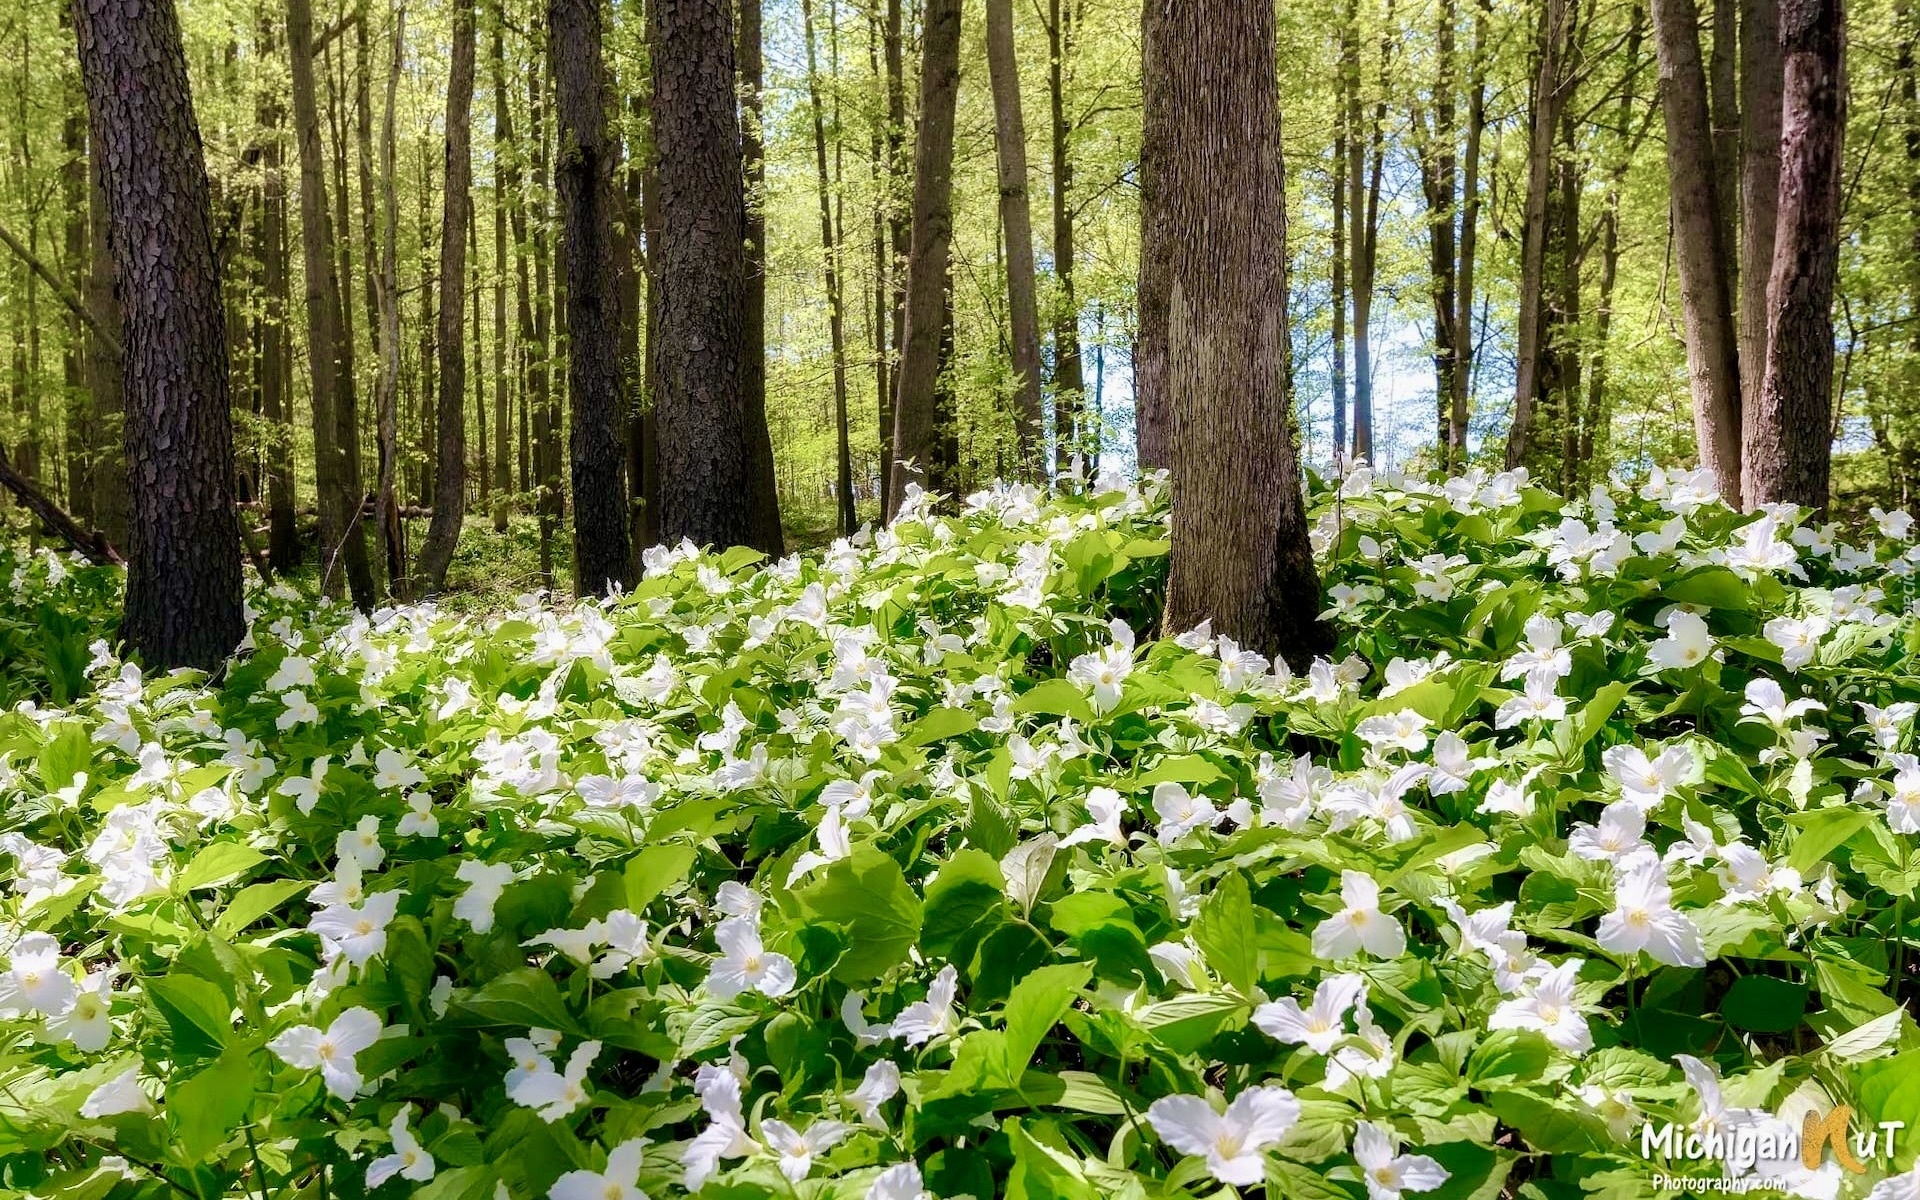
{"x": 836, "y": 320}
{"x": 450, "y": 468}
{"x": 1240, "y": 555}
{"x": 766, "y": 534}
{"x": 1016, "y": 220}
{"x": 336, "y": 466}
{"x": 1549, "y": 98}
{"x": 583, "y": 177}
{"x": 1068, "y": 382}
{"x": 1789, "y": 439}
{"x": 1759, "y": 182}
{"x": 387, "y": 304}
{"x": 924, "y": 450}
{"x": 183, "y": 604}
{"x": 1153, "y": 403}
{"x": 1366, "y": 163}
{"x": 1712, "y": 356}
{"x": 700, "y": 269}
{"x": 275, "y": 371}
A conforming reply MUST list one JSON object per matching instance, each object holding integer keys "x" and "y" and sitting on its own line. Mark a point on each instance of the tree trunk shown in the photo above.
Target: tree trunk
{"x": 1789, "y": 440}
{"x": 336, "y": 471}
{"x": 898, "y": 232}
{"x": 502, "y": 148}
{"x": 1240, "y": 556}
{"x": 843, "y": 454}
{"x": 1337, "y": 178}
{"x": 1438, "y": 169}
{"x": 73, "y": 252}
{"x": 700, "y": 407}
{"x": 1759, "y": 176}
{"x": 275, "y": 371}
{"x": 1153, "y": 405}
{"x": 1712, "y": 361}
{"x": 183, "y": 605}
{"x": 602, "y": 549}
{"x": 1072, "y": 437}
{"x": 1365, "y": 165}
{"x": 1547, "y": 103}
{"x": 387, "y": 301}
{"x": 766, "y": 534}
{"x": 450, "y": 467}
{"x": 1016, "y": 220}
{"x": 922, "y": 436}
{"x": 1461, "y": 385}
{"x": 1724, "y": 111}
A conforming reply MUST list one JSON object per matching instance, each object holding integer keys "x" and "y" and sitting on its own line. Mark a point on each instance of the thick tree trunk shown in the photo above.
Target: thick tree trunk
{"x": 1240, "y": 556}
{"x": 602, "y": 546}
{"x": 701, "y": 409}
{"x": 1723, "y": 109}
{"x": 387, "y": 302}
{"x": 923, "y": 449}
{"x": 450, "y": 468}
{"x": 336, "y": 469}
{"x": 836, "y": 325}
{"x": 1073, "y": 437}
{"x": 1789, "y": 441}
{"x": 766, "y": 534}
{"x": 1712, "y": 359}
{"x": 183, "y": 605}
{"x": 1016, "y": 221}
{"x": 1759, "y": 182}
{"x": 276, "y": 359}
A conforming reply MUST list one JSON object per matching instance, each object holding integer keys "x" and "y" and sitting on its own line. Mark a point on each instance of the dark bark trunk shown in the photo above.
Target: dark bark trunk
{"x": 836, "y": 325}
{"x": 1016, "y": 221}
{"x": 898, "y": 234}
{"x": 387, "y": 302}
{"x": 1723, "y": 110}
{"x": 1240, "y": 556}
{"x": 1153, "y": 405}
{"x": 1789, "y": 440}
{"x": 1461, "y": 385}
{"x": 276, "y": 359}
{"x": 922, "y": 432}
{"x": 183, "y": 605}
{"x": 502, "y": 148}
{"x": 1073, "y": 438}
{"x": 1759, "y": 182}
{"x": 766, "y": 534}
{"x": 583, "y": 176}
{"x": 1547, "y": 104}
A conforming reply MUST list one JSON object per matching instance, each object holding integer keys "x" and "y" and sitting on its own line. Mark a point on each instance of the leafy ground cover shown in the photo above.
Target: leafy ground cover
{"x": 914, "y": 867}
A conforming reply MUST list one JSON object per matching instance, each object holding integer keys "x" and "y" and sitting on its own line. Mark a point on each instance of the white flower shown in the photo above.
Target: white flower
{"x": 1903, "y": 807}
{"x": 1747, "y": 877}
{"x": 420, "y": 820}
{"x": 555, "y": 1094}
{"x": 394, "y": 770}
{"x": 1404, "y": 730}
{"x": 899, "y": 1182}
{"x": 794, "y": 1150}
{"x": 1687, "y": 643}
{"x": 118, "y": 1095}
{"x": 294, "y": 671}
{"x": 620, "y": 1181}
{"x": 880, "y": 1084}
{"x": 1542, "y": 651}
{"x": 745, "y": 964}
{"x": 1508, "y": 798}
{"x": 305, "y": 790}
{"x": 485, "y": 882}
{"x": 852, "y": 1015}
{"x": 1897, "y": 524}
{"x": 299, "y": 711}
{"x": 362, "y": 844}
{"x": 1234, "y": 1143}
{"x": 1106, "y": 807}
{"x": 1387, "y": 1174}
{"x": 1767, "y": 702}
{"x": 1180, "y": 813}
{"x": 1797, "y": 639}
{"x": 1549, "y": 1008}
{"x": 1105, "y": 672}
{"x": 924, "y": 1020}
{"x": 331, "y": 1050}
{"x": 726, "y": 1134}
{"x": 1452, "y": 767}
{"x": 1885, "y": 724}
{"x": 409, "y": 1160}
{"x": 1360, "y": 925}
{"x": 1644, "y": 918}
{"x": 1620, "y": 834}
{"x": 1320, "y": 1026}
{"x": 1538, "y": 701}
{"x": 87, "y": 1021}
{"x": 359, "y": 933}
{"x": 1904, "y": 1186}
{"x": 1646, "y": 782}
{"x": 35, "y": 981}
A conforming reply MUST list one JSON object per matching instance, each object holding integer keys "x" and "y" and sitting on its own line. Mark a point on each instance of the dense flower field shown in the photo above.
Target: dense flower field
{"x": 915, "y": 868}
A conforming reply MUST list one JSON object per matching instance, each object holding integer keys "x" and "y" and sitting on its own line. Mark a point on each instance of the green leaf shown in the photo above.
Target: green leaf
{"x": 939, "y": 724}
{"x": 1224, "y": 931}
{"x": 1715, "y": 587}
{"x": 1036, "y": 1006}
{"x": 1508, "y": 1056}
{"x": 866, "y": 895}
{"x": 526, "y": 998}
{"x": 198, "y": 1013}
{"x": 208, "y": 1108}
{"x": 65, "y": 755}
{"x": 1055, "y": 697}
{"x": 1822, "y": 831}
{"x": 655, "y": 869}
{"x": 256, "y": 900}
{"x": 219, "y": 862}
{"x": 967, "y": 890}
{"x": 1763, "y": 1004}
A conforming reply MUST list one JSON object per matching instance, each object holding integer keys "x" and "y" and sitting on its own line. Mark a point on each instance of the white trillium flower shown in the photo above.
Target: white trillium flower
{"x": 901, "y": 1181}
{"x": 620, "y": 1180}
{"x": 409, "y": 1160}
{"x": 35, "y": 979}
{"x": 1687, "y": 644}
{"x": 1549, "y": 1008}
{"x": 1233, "y": 1143}
{"x": 1389, "y": 1175}
{"x": 1645, "y": 782}
{"x": 556, "y": 1094}
{"x": 1360, "y": 925}
{"x": 1644, "y": 918}
{"x": 745, "y": 964}
{"x": 485, "y": 882}
{"x": 924, "y": 1020}
{"x": 331, "y": 1050}
{"x": 795, "y": 1150}
{"x": 880, "y": 1084}
{"x": 1319, "y": 1026}
{"x": 117, "y": 1096}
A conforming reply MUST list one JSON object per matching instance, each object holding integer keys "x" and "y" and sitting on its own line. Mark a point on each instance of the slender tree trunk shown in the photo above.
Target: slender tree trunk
{"x": 1438, "y": 169}
{"x": 336, "y": 472}
{"x": 766, "y": 534}
{"x": 1789, "y": 440}
{"x": 502, "y": 149}
{"x": 450, "y": 469}
{"x": 922, "y": 433}
{"x": 183, "y": 605}
{"x": 701, "y": 409}
{"x": 1461, "y": 385}
{"x": 1016, "y": 220}
{"x": 73, "y": 252}
{"x": 1240, "y": 556}
{"x": 479, "y": 469}
{"x": 1365, "y": 166}
{"x": 428, "y": 391}
{"x": 843, "y": 454}
{"x": 1593, "y": 432}
{"x": 898, "y": 232}
{"x": 1712, "y": 360}
{"x": 1723, "y": 109}
{"x": 106, "y": 383}
{"x": 880, "y": 169}
{"x": 387, "y": 301}
{"x": 546, "y": 431}
{"x": 1072, "y": 438}
{"x": 1153, "y": 404}
{"x": 1760, "y": 100}
{"x": 602, "y": 549}
{"x": 1337, "y": 172}
{"x": 1547, "y": 104}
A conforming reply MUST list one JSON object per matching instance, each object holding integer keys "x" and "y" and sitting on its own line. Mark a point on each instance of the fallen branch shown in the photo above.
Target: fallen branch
{"x": 61, "y": 290}
{"x": 90, "y": 542}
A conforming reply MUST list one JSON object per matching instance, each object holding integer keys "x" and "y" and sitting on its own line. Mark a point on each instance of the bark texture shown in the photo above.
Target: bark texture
{"x": 1789, "y": 440}
{"x": 1153, "y": 406}
{"x": 183, "y": 603}
{"x": 1759, "y": 182}
{"x": 583, "y": 178}
{"x": 767, "y": 536}
{"x": 1240, "y": 554}
{"x": 700, "y": 269}
{"x": 1016, "y": 221}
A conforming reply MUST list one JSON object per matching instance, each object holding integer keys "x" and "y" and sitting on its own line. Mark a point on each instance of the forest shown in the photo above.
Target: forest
{"x": 885, "y": 600}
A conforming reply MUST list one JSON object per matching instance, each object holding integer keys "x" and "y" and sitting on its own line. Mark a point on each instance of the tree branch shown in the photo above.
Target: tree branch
{"x": 90, "y": 542}
{"x": 60, "y": 289}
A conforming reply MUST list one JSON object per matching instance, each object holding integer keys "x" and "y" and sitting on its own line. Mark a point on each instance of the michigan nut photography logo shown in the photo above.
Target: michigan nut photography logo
{"x": 1763, "y": 1154}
